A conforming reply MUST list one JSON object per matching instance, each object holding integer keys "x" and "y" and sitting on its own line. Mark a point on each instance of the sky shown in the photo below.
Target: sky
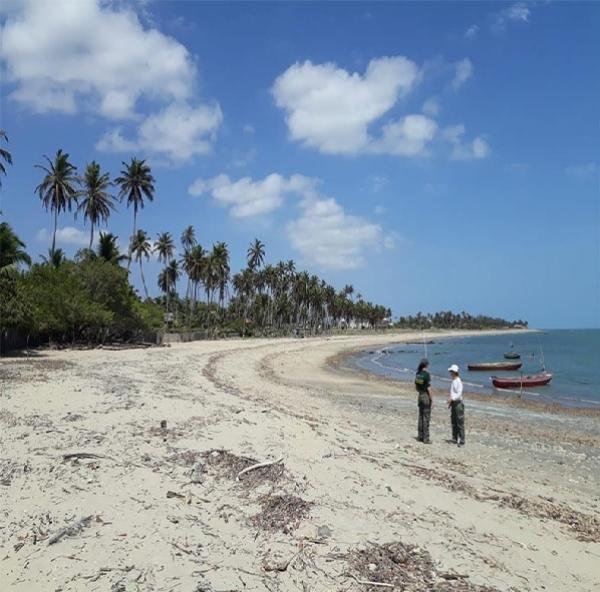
{"x": 437, "y": 156}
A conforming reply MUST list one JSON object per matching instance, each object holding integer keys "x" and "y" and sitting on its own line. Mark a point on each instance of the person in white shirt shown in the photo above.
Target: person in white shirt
{"x": 457, "y": 407}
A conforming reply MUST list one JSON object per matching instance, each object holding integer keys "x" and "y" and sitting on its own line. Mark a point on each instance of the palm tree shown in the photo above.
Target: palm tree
{"x": 97, "y": 202}
{"x": 167, "y": 280}
{"x": 55, "y": 257}
{"x": 255, "y": 254}
{"x": 108, "y": 248}
{"x": 188, "y": 238}
{"x": 141, "y": 249}
{"x": 4, "y": 155}
{"x": 221, "y": 269}
{"x": 136, "y": 183}
{"x": 57, "y": 189}
{"x": 194, "y": 264}
{"x": 165, "y": 247}
{"x": 12, "y": 248}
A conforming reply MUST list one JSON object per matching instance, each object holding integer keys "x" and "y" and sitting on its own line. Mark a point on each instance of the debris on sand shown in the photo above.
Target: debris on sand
{"x": 226, "y": 465}
{"x": 585, "y": 527}
{"x": 405, "y": 567}
{"x": 281, "y": 513}
{"x": 71, "y": 529}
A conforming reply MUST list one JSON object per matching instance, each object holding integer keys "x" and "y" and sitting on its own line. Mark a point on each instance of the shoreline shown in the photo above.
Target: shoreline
{"x": 340, "y": 362}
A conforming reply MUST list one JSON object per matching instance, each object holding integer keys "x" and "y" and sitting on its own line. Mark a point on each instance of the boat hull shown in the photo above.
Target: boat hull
{"x": 512, "y": 356}
{"x": 518, "y": 382}
{"x": 495, "y": 366}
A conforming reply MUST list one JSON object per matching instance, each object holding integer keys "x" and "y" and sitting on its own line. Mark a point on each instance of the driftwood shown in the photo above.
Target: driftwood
{"x": 71, "y": 455}
{"x": 367, "y": 583}
{"x": 71, "y": 529}
{"x": 260, "y": 465}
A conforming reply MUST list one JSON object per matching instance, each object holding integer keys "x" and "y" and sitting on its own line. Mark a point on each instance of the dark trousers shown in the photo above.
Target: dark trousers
{"x": 424, "y": 417}
{"x": 457, "y": 417}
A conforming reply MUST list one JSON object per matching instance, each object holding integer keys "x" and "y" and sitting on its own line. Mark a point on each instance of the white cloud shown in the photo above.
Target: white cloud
{"x": 582, "y": 171}
{"x": 463, "y": 71}
{"x": 68, "y": 235}
{"x": 330, "y": 109}
{"x": 179, "y": 131}
{"x": 407, "y": 137}
{"x": 97, "y": 57}
{"x": 477, "y": 148}
{"x": 325, "y": 235}
{"x": 246, "y": 197}
{"x": 66, "y": 54}
{"x": 472, "y": 31}
{"x": 518, "y": 12}
{"x": 431, "y": 107}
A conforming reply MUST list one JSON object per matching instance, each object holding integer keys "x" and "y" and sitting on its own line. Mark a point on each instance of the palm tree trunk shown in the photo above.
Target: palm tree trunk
{"x": 55, "y": 225}
{"x": 143, "y": 280}
{"x": 131, "y": 239}
{"x": 92, "y": 236}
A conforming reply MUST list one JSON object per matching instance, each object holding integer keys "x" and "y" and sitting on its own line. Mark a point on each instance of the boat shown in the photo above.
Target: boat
{"x": 519, "y": 382}
{"x": 512, "y": 356}
{"x": 495, "y": 366}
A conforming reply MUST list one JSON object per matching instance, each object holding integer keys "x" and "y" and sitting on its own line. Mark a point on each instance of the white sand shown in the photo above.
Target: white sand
{"x": 348, "y": 443}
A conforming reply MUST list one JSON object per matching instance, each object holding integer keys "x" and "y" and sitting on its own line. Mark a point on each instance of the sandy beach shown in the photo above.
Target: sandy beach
{"x": 96, "y": 495}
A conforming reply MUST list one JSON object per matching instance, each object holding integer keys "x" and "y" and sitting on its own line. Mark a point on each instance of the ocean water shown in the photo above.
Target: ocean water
{"x": 573, "y": 357}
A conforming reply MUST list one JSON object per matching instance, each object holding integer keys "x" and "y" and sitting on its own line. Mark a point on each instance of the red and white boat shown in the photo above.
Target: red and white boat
{"x": 519, "y": 382}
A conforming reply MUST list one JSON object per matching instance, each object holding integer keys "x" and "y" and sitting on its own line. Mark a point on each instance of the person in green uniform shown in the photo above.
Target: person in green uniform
{"x": 425, "y": 401}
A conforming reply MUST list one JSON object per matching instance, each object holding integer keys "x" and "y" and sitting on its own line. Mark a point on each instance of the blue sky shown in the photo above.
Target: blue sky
{"x": 435, "y": 155}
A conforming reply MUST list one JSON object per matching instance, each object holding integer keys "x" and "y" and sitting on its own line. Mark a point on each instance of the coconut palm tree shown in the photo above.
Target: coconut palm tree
{"x": 221, "y": 270}
{"x": 188, "y": 238}
{"x": 141, "y": 249}
{"x": 12, "y": 248}
{"x": 5, "y": 155}
{"x": 194, "y": 264}
{"x": 255, "y": 254}
{"x": 136, "y": 183}
{"x": 58, "y": 188}
{"x": 108, "y": 248}
{"x": 167, "y": 280}
{"x": 55, "y": 257}
{"x": 96, "y": 202}
{"x": 165, "y": 247}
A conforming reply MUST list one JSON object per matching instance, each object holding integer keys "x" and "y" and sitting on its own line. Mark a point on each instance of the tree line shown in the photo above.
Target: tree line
{"x": 90, "y": 297}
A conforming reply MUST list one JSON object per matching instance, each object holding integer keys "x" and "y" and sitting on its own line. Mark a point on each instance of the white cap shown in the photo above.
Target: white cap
{"x": 453, "y": 368}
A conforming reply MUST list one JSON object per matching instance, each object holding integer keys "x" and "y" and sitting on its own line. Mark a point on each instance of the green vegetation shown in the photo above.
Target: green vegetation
{"x": 450, "y": 320}
{"x": 90, "y": 298}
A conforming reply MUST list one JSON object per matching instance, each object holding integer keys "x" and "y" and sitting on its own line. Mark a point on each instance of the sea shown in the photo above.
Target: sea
{"x": 571, "y": 355}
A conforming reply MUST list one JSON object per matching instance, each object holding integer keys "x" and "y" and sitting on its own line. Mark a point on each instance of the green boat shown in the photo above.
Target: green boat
{"x": 512, "y": 356}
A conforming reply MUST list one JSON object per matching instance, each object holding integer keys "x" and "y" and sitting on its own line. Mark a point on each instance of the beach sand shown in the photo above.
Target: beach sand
{"x": 518, "y": 508}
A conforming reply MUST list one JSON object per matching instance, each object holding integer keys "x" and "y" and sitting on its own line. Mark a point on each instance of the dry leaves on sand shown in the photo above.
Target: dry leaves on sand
{"x": 405, "y": 567}
{"x": 281, "y": 513}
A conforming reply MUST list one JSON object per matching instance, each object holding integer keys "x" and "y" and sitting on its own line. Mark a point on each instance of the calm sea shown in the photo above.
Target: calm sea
{"x": 573, "y": 356}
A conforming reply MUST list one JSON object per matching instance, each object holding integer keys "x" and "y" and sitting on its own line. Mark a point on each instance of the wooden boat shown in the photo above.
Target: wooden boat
{"x": 495, "y": 366}
{"x": 512, "y": 356}
{"x": 518, "y": 382}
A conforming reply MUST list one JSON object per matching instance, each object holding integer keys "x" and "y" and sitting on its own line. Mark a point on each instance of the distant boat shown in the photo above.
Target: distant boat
{"x": 512, "y": 356}
{"x": 519, "y": 382}
{"x": 495, "y": 366}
